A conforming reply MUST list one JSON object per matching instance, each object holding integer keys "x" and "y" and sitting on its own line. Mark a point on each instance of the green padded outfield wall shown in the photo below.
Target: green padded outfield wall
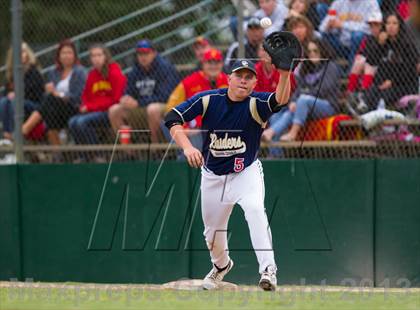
{"x": 9, "y": 224}
{"x": 141, "y": 223}
{"x": 398, "y": 223}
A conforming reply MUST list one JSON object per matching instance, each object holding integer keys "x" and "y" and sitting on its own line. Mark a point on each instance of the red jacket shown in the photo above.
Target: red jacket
{"x": 100, "y": 93}
{"x": 269, "y": 83}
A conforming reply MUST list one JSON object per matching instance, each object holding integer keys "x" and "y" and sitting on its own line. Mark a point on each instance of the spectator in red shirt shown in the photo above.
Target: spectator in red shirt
{"x": 104, "y": 87}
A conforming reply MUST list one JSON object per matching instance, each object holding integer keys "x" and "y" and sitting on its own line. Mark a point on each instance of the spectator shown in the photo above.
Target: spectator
{"x": 302, "y": 28}
{"x": 361, "y": 69}
{"x": 64, "y": 90}
{"x": 210, "y": 77}
{"x": 396, "y": 61}
{"x": 200, "y": 46}
{"x": 305, "y": 8}
{"x": 275, "y": 10}
{"x": 104, "y": 87}
{"x": 254, "y": 35}
{"x": 346, "y": 25}
{"x": 316, "y": 94}
{"x": 33, "y": 88}
{"x": 149, "y": 85}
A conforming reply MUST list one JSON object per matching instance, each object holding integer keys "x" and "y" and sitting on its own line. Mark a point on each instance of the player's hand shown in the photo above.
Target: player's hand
{"x": 194, "y": 157}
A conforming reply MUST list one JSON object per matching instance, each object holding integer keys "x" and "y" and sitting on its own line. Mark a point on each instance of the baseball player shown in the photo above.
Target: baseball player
{"x": 233, "y": 120}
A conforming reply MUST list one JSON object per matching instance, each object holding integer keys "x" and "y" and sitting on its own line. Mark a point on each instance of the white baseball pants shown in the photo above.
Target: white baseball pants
{"x": 218, "y": 196}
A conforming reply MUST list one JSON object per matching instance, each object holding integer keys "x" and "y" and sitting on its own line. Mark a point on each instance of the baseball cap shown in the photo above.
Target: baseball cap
{"x": 213, "y": 54}
{"x": 144, "y": 46}
{"x": 375, "y": 17}
{"x": 201, "y": 41}
{"x": 254, "y": 22}
{"x": 243, "y": 64}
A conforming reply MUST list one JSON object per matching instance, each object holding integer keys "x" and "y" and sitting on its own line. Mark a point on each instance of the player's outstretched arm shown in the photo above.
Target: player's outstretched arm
{"x": 283, "y": 87}
{"x": 193, "y": 155}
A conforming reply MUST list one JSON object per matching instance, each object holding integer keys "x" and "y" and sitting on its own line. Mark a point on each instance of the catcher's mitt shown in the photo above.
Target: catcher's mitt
{"x": 284, "y": 49}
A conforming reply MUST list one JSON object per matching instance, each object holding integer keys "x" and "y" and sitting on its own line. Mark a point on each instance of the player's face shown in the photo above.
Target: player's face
{"x": 375, "y": 28}
{"x": 392, "y": 26}
{"x": 241, "y": 84}
{"x": 97, "y": 57}
{"x": 212, "y": 68}
{"x": 145, "y": 59}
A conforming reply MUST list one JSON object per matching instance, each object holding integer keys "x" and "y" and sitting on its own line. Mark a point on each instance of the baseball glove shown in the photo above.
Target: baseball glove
{"x": 284, "y": 49}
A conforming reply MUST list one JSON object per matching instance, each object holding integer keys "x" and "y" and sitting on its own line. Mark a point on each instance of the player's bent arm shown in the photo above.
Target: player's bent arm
{"x": 174, "y": 122}
{"x": 194, "y": 157}
{"x": 283, "y": 87}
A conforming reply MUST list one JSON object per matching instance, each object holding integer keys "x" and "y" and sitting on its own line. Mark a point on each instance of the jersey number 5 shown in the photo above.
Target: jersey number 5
{"x": 239, "y": 164}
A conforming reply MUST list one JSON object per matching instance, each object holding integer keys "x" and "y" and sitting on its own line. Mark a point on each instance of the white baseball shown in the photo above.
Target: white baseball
{"x": 265, "y": 22}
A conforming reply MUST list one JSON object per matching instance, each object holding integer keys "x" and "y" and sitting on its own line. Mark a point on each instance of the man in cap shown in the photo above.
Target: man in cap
{"x": 149, "y": 85}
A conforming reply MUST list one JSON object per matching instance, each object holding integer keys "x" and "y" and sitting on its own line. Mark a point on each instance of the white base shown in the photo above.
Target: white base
{"x": 195, "y": 285}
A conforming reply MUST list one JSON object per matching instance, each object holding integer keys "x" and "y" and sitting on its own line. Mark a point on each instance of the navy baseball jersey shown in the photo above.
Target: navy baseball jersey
{"x": 231, "y": 130}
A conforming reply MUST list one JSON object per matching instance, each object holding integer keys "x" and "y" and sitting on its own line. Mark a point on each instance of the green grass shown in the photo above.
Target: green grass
{"x": 64, "y": 296}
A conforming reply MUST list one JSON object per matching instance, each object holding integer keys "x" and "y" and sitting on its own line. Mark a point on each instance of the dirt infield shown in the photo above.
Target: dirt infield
{"x": 195, "y": 284}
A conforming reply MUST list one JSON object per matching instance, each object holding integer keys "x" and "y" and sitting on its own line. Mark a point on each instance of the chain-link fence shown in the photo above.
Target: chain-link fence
{"x": 100, "y": 75}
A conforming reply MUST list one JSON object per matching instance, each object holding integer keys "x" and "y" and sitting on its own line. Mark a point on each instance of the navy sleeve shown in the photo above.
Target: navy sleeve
{"x": 263, "y": 104}
{"x": 190, "y": 109}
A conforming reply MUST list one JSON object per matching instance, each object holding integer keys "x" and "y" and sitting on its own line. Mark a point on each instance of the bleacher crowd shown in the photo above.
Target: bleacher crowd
{"x": 360, "y": 56}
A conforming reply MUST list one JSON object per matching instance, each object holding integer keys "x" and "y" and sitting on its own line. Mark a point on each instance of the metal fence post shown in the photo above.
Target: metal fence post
{"x": 17, "y": 75}
{"x": 240, "y": 12}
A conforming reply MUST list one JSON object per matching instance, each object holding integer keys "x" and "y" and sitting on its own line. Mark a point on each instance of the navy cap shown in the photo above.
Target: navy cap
{"x": 243, "y": 64}
{"x": 144, "y": 46}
